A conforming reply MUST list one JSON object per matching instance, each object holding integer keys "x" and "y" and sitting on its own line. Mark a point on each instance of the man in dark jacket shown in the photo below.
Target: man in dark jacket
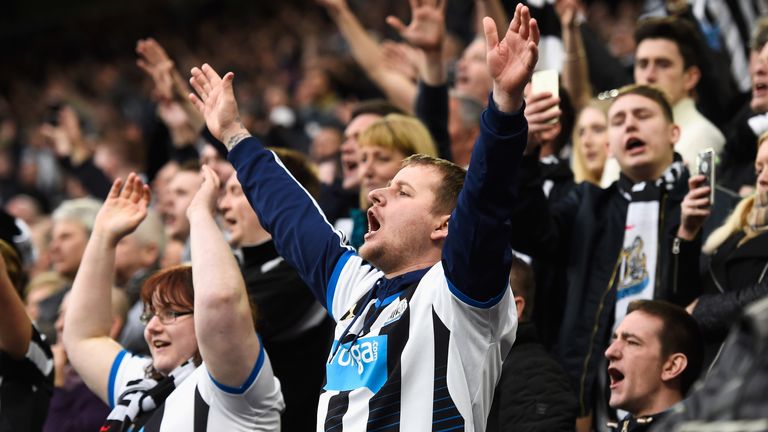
{"x": 655, "y": 357}
{"x": 617, "y": 243}
{"x": 534, "y": 393}
{"x": 733, "y": 395}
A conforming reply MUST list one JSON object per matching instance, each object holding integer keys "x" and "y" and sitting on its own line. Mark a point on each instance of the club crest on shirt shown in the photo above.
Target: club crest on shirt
{"x": 398, "y": 312}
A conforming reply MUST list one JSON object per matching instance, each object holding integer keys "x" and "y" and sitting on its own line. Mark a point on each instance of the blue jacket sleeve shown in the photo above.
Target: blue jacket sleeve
{"x": 302, "y": 235}
{"x": 476, "y": 256}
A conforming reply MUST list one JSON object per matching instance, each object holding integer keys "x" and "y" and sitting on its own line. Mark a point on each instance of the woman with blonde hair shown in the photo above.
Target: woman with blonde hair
{"x": 737, "y": 272}
{"x": 383, "y": 146}
{"x": 590, "y": 142}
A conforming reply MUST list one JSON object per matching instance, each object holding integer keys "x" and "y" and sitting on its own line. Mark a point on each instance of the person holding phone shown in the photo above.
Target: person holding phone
{"x": 736, "y": 254}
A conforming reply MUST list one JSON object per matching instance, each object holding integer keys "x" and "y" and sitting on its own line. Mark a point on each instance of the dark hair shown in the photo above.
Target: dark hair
{"x": 447, "y": 193}
{"x": 190, "y": 165}
{"x": 650, "y": 92}
{"x": 523, "y": 284}
{"x": 679, "y": 31}
{"x": 378, "y": 107}
{"x": 679, "y": 333}
{"x": 13, "y": 267}
{"x": 300, "y": 168}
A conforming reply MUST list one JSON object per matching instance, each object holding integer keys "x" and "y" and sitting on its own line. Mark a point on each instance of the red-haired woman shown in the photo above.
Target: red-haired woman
{"x": 208, "y": 370}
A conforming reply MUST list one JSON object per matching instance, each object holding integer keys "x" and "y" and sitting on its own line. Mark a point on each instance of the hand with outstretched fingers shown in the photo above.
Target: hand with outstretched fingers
{"x": 426, "y": 30}
{"x": 123, "y": 210}
{"x": 511, "y": 60}
{"x": 215, "y": 99}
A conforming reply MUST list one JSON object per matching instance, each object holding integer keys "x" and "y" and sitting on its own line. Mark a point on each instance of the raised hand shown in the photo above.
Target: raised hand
{"x": 694, "y": 209}
{"x": 158, "y": 65}
{"x": 333, "y": 6}
{"x": 427, "y": 28}
{"x": 207, "y": 196}
{"x": 567, "y": 10}
{"x": 511, "y": 61}
{"x": 123, "y": 210}
{"x": 215, "y": 99}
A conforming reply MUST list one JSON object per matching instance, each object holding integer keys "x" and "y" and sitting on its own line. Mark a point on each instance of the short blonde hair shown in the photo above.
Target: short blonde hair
{"x": 399, "y": 132}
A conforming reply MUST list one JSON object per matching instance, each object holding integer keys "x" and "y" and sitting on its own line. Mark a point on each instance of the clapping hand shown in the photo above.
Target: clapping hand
{"x": 123, "y": 210}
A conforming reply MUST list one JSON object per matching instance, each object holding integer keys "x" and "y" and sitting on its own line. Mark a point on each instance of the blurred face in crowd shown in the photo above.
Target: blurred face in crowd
{"x": 658, "y": 62}
{"x": 636, "y": 364}
{"x": 758, "y": 72}
{"x": 209, "y": 156}
{"x": 402, "y": 221}
{"x": 472, "y": 76}
{"x": 131, "y": 255}
{"x": 592, "y": 133}
{"x": 350, "y": 159}
{"x": 378, "y": 165}
{"x": 68, "y": 240}
{"x": 761, "y": 167}
{"x": 640, "y": 137}
{"x": 239, "y": 218}
{"x": 182, "y": 189}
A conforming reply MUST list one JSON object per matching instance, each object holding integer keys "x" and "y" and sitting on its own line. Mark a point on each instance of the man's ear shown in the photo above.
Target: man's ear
{"x": 691, "y": 77}
{"x": 519, "y": 305}
{"x": 674, "y": 366}
{"x": 674, "y": 134}
{"x": 441, "y": 230}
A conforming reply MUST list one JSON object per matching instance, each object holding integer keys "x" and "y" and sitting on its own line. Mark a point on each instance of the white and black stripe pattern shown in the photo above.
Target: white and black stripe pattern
{"x": 143, "y": 396}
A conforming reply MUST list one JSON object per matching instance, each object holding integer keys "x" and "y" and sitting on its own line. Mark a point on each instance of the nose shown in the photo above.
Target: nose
{"x": 377, "y": 197}
{"x": 223, "y": 203}
{"x": 613, "y": 352}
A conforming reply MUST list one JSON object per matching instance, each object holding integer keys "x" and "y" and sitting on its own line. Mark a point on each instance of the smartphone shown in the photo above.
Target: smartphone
{"x": 52, "y": 113}
{"x": 546, "y": 81}
{"x": 705, "y": 165}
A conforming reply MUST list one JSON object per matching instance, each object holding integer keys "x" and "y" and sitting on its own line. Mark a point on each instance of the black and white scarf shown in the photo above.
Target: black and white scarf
{"x": 637, "y": 266}
{"x": 142, "y": 396}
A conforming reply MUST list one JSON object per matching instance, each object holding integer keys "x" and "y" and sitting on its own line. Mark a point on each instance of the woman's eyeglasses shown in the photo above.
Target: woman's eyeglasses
{"x": 165, "y": 316}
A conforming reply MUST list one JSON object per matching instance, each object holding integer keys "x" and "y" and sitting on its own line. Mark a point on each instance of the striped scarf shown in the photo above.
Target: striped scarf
{"x": 142, "y": 396}
{"x": 637, "y": 267}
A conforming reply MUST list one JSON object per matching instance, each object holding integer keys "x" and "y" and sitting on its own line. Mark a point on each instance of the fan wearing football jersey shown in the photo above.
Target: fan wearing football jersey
{"x": 424, "y": 313}
{"x": 208, "y": 370}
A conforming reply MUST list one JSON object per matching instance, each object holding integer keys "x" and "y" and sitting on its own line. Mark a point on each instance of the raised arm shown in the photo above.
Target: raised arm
{"x": 368, "y": 54}
{"x": 170, "y": 85}
{"x": 223, "y": 323}
{"x": 89, "y": 314}
{"x": 15, "y": 326}
{"x": 575, "y": 65}
{"x": 300, "y": 231}
{"x": 476, "y": 256}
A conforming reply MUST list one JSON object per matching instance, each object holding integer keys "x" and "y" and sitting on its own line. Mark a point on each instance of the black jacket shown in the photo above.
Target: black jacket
{"x": 637, "y": 424}
{"x": 585, "y": 230}
{"x": 533, "y": 394}
{"x": 737, "y": 163}
{"x": 731, "y": 280}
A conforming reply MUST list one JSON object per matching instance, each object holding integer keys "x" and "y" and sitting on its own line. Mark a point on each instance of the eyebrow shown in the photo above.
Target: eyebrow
{"x": 401, "y": 184}
{"x": 627, "y": 335}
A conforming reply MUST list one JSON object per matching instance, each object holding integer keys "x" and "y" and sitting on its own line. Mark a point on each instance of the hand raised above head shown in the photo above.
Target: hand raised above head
{"x": 207, "y": 196}
{"x": 427, "y": 28}
{"x": 124, "y": 209}
{"x": 511, "y": 61}
{"x": 215, "y": 99}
